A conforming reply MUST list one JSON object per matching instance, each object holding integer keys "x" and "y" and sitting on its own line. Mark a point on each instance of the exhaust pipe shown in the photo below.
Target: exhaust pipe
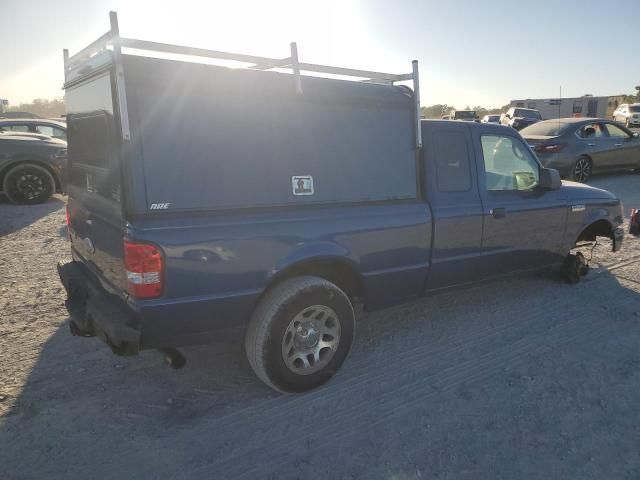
{"x": 173, "y": 357}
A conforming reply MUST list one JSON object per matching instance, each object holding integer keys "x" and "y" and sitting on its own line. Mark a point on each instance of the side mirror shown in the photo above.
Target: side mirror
{"x": 550, "y": 179}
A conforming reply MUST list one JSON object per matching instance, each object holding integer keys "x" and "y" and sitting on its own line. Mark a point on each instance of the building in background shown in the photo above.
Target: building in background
{"x": 586, "y": 106}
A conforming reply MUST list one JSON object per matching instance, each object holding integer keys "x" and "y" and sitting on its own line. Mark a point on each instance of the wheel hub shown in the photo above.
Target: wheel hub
{"x": 307, "y": 336}
{"x": 30, "y": 185}
{"x": 311, "y": 340}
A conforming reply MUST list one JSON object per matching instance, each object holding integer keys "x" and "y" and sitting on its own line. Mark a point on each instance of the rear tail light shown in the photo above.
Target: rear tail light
{"x": 68, "y": 215}
{"x": 550, "y": 147}
{"x": 145, "y": 269}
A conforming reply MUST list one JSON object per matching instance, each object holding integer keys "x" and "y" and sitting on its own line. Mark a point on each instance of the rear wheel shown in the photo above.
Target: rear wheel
{"x": 581, "y": 170}
{"x": 28, "y": 184}
{"x": 300, "y": 334}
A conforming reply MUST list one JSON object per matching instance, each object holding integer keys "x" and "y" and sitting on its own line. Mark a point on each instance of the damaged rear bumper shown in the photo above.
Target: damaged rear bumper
{"x": 95, "y": 312}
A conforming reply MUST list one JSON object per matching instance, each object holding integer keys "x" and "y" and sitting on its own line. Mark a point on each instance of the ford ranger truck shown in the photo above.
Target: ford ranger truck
{"x": 204, "y": 200}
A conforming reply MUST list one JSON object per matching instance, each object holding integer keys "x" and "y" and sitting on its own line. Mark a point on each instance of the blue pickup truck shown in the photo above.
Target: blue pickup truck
{"x": 203, "y": 198}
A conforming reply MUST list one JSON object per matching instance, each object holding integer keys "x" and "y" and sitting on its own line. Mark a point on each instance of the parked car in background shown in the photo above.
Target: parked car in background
{"x": 520, "y": 118}
{"x": 31, "y": 166}
{"x": 491, "y": 119}
{"x": 50, "y": 128}
{"x": 464, "y": 115}
{"x": 628, "y": 114}
{"x": 579, "y": 147}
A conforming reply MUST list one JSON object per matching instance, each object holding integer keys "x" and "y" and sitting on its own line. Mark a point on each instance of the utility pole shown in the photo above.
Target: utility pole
{"x": 638, "y": 89}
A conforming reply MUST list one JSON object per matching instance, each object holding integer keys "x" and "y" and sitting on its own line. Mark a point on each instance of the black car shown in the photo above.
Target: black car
{"x": 31, "y": 166}
{"x": 520, "y": 118}
{"x": 578, "y": 147}
{"x": 43, "y": 126}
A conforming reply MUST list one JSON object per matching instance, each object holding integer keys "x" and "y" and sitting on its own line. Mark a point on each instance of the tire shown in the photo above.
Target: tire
{"x": 582, "y": 169}
{"x": 574, "y": 267}
{"x": 323, "y": 314}
{"x": 28, "y": 184}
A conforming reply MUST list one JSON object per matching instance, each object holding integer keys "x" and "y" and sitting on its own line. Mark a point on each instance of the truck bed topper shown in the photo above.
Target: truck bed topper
{"x": 107, "y": 50}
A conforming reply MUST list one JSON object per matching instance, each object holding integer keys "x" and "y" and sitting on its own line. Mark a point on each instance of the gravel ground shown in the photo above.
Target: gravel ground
{"x": 525, "y": 378}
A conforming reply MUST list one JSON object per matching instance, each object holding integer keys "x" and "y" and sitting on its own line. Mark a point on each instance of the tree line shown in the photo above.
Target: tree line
{"x": 41, "y": 107}
{"x": 440, "y": 109}
{"x": 55, "y": 108}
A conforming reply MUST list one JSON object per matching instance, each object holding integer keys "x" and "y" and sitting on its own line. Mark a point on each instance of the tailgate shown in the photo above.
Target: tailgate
{"x": 93, "y": 181}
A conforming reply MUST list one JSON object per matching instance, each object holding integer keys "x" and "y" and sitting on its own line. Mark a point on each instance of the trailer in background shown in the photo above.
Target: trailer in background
{"x": 585, "y": 106}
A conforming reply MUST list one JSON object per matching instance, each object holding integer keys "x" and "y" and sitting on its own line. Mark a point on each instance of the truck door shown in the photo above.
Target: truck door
{"x": 595, "y": 142}
{"x": 523, "y": 225}
{"x": 452, "y": 190}
{"x": 624, "y": 148}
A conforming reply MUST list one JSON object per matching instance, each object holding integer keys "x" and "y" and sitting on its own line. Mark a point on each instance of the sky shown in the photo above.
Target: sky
{"x": 470, "y": 52}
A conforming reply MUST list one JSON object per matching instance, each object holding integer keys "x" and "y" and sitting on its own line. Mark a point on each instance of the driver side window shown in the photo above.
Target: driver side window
{"x": 508, "y": 164}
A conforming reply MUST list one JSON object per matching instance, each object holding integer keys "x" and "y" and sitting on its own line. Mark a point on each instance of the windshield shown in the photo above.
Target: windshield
{"x": 527, "y": 113}
{"x": 548, "y": 128}
{"x": 634, "y": 108}
{"x": 465, "y": 114}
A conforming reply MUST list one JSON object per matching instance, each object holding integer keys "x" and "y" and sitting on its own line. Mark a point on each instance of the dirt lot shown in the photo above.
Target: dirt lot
{"x": 523, "y": 378}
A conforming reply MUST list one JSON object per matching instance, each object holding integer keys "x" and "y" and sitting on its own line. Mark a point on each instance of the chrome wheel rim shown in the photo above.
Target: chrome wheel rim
{"x": 311, "y": 340}
{"x": 582, "y": 170}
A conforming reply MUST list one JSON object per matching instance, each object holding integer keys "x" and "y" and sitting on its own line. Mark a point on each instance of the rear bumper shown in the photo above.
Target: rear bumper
{"x": 95, "y": 312}
{"x": 129, "y": 326}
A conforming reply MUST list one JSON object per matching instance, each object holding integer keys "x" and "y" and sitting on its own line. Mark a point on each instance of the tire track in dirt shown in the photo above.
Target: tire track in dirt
{"x": 412, "y": 395}
{"x": 512, "y": 353}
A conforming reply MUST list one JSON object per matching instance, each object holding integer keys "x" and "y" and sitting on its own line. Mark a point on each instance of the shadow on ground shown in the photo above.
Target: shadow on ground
{"x": 15, "y": 217}
{"x": 521, "y": 378}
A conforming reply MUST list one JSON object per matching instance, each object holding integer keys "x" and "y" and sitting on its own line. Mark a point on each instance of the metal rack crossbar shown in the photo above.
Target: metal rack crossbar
{"x": 112, "y": 40}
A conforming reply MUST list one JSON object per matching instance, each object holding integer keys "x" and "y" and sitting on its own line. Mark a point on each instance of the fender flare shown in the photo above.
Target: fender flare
{"x": 321, "y": 259}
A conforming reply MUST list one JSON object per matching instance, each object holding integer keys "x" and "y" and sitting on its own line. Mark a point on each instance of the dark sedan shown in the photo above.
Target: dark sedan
{"x": 579, "y": 147}
{"x": 31, "y": 166}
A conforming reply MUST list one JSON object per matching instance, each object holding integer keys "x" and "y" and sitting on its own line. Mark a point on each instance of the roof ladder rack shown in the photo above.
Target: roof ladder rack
{"x": 113, "y": 39}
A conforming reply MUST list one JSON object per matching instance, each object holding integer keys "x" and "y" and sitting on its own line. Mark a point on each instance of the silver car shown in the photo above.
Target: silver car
{"x": 579, "y": 147}
{"x": 629, "y": 114}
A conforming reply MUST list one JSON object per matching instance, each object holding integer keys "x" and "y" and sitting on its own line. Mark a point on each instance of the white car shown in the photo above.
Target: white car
{"x": 491, "y": 119}
{"x": 628, "y": 114}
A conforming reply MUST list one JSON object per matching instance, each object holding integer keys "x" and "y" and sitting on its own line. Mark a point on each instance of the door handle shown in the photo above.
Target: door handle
{"x": 591, "y": 144}
{"x": 618, "y": 144}
{"x": 498, "y": 212}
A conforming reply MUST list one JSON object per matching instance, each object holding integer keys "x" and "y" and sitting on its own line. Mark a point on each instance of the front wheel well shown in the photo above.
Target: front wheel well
{"x": 600, "y": 228}
{"x": 339, "y": 272}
